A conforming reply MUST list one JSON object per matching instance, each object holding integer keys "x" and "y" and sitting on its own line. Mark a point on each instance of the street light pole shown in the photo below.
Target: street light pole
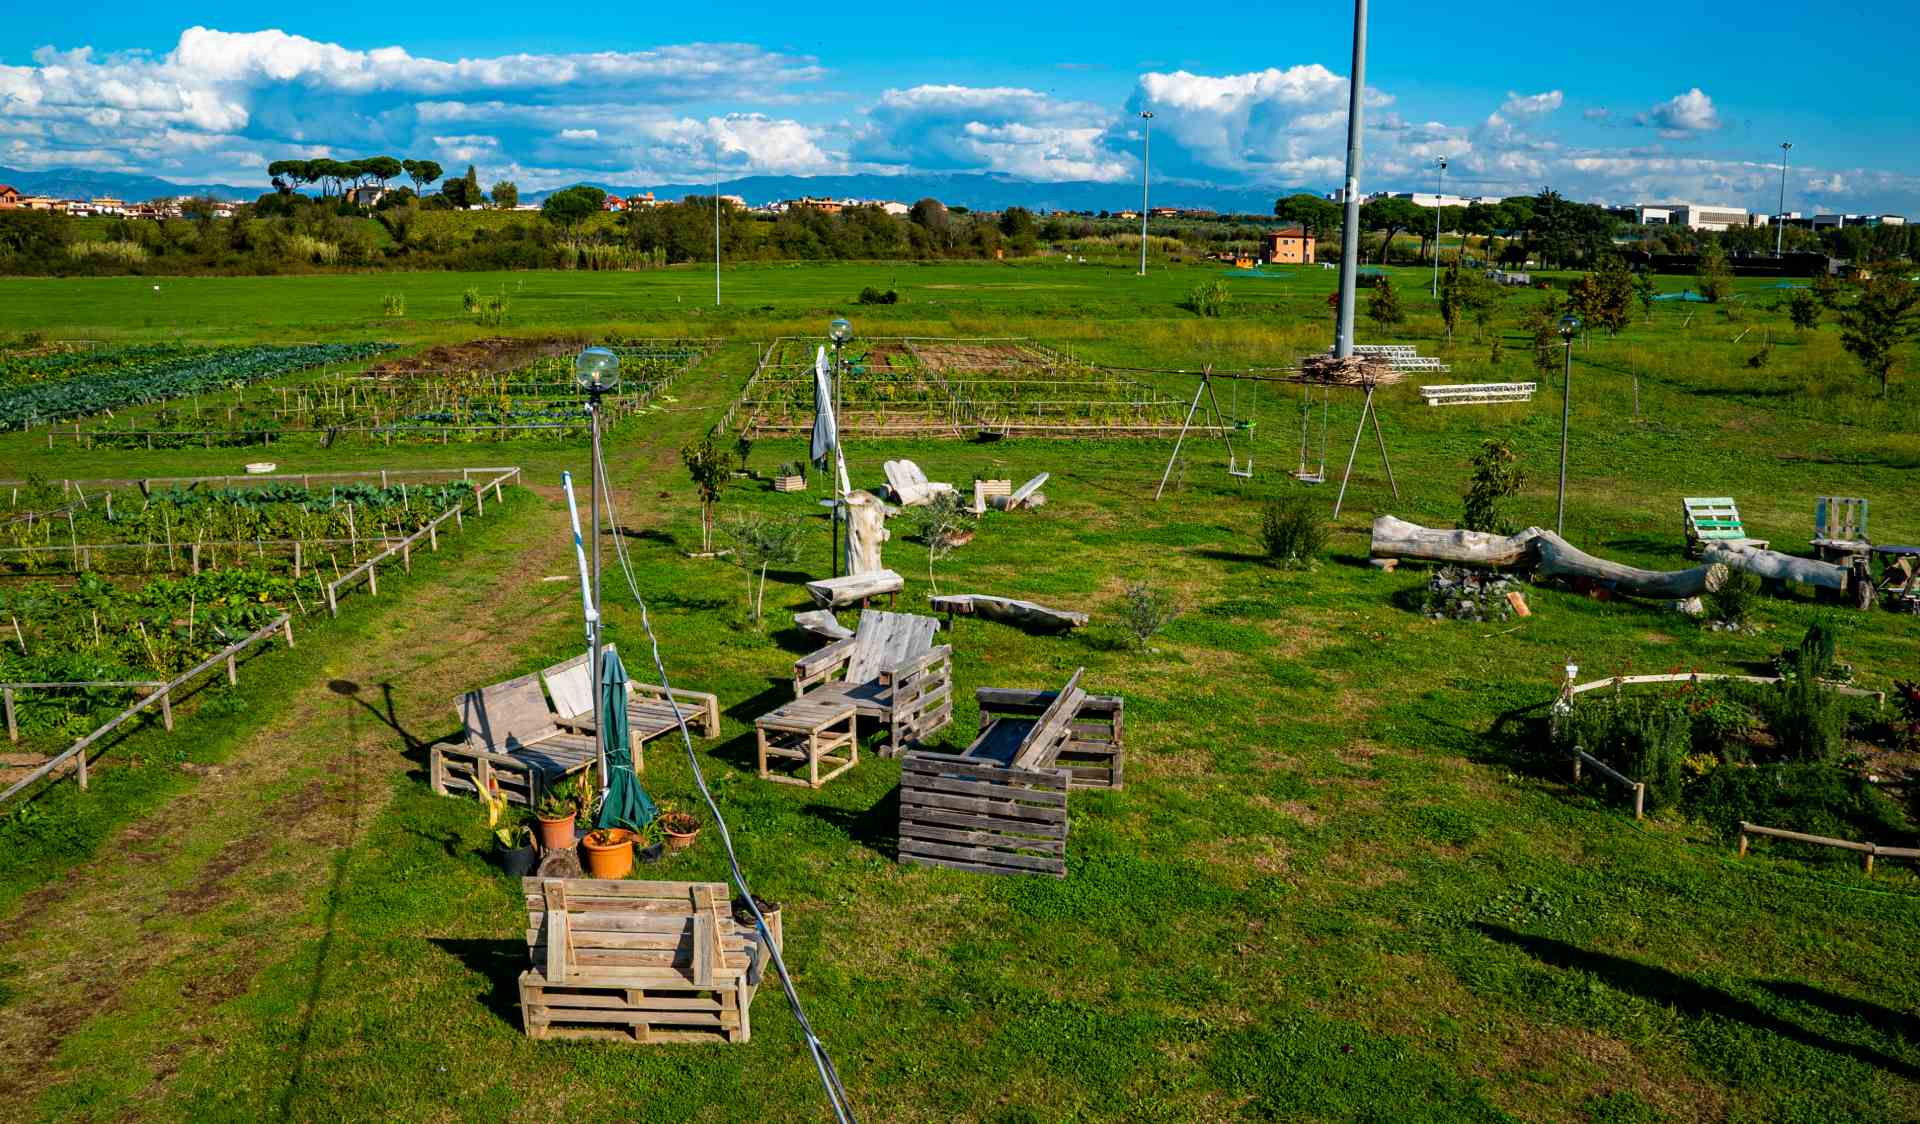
{"x": 596, "y": 371}
{"x": 1146, "y": 169}
{"x": 1780, "y": 217}
{"x": 716, "y": 243}
{"x": 1568, "y": 326}
{"x": 1350, "y": 229}
{"x": 1439, "y": 189}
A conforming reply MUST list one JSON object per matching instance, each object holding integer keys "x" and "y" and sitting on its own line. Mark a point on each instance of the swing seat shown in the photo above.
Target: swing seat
{"x": 1234, "y": 469}
{"x": 1306, "y": 477}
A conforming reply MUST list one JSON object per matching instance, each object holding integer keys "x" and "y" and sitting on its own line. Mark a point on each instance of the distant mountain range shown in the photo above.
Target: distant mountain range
{"x": 975, "y": 190}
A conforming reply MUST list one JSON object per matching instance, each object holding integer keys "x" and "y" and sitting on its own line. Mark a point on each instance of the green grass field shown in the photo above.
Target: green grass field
{"x": 1343, "y": 881}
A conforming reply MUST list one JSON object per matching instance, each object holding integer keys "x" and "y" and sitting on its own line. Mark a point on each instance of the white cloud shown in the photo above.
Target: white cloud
{"x": 1531, "y": 105}
{"x": 1005, "y": 129}
{"x": 579, "y": 134}
{"x": 1685, "y": 114}
{"x": 1597, "y": 113}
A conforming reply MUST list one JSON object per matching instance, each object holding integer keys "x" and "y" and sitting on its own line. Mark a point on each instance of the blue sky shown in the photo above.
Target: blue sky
{"x": 1677, "y": 102}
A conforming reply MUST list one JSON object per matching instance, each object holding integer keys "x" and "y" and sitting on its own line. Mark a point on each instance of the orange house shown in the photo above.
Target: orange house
{"x": 9, "y": 198}
{"x": 1292, "y": 246}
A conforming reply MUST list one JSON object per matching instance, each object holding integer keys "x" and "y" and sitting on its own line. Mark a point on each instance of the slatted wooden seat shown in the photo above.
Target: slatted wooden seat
{"x": 890, "y": 671}
{"x": 649, "y": 715}
{"x": 1712, "y": 519}
{"x": 855, "y": 589}
{"x": 638, "y": 961}
{"x": 910, "y": 485}
{"x": 1026, "y": 495}
{"x": 1000, "y": 805}
{"x": 1840, "y": 527}
{"x": 514, "y": 742}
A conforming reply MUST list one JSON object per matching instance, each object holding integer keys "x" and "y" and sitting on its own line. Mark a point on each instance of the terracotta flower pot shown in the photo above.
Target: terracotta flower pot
{"x": 609, "y": 852}
{"x": 555, "y": 834}
{"x": 680, "y": 840}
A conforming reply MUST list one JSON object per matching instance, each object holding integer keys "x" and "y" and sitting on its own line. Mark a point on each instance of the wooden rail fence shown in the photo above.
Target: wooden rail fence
{"x": 146, "y": 484}
{"x": 369, "y": 570}
{"x": 229, "y": 655}
{"x": 1638, "y": 788}
{"x": 1867, "y": 851}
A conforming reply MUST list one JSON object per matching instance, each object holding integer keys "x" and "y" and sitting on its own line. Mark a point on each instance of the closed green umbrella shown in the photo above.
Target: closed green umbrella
{"x": 627, "y": 804}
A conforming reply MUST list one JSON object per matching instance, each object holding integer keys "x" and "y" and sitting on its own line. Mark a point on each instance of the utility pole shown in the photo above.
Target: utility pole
{"x": 1146, "y": 169}
{"x": 716, "y": 243}
{"x": 1350, "y": 231}
{"x": 1439, "y": 189}
{"x": 1780, "y": 216}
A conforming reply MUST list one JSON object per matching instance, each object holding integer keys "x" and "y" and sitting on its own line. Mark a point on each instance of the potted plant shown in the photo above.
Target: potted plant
{"x": 791, "y": 477}
{"x": 650, "y": 842}
{"x": 516, "y": 853}
{"x": 681, "y": 828}
{"x": 609, "y": 852}
{"x": 559, "y": 806}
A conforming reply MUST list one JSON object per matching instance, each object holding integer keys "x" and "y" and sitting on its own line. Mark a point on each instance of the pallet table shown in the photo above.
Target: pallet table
{"x": 814, "y": 731}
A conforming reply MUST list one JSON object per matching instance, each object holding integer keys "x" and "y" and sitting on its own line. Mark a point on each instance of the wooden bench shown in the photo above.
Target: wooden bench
{"x": 514, "y": 743}
{"x": 910, "y": 486}
{"x": 1000, "y": 805}
{"x": 1026, "y": 495}
{"x": 985, "y": 491}
{"x": 1711, "y": 519}
{"x": 637, "y": 961}
{"x": 855, "y": 589}
{"x": 649, "y": 713}
{"x": 1095, "y": 750}
{"x": 890, "y": 671}
{"x": 1840, "y": 528}
{"x": 1475, "y": 393}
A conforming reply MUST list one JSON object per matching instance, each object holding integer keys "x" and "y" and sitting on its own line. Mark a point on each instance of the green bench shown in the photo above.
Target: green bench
{"x": 1714, "y": 519}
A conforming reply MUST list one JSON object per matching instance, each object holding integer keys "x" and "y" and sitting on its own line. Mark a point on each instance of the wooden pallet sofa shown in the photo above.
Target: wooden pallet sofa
{"x": 649, "y": 713}
{"x": 890, "y": 671}
{"x": 1000, "y": 805}
{"x": 1840, "y": 528}
{"x": 636, "y": 961}
{"x": 513, "y": 742}
{"x": 1714, "y": 519}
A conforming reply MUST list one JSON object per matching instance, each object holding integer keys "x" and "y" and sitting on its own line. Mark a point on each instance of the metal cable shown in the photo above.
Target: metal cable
{"x": 823, "y": 1062}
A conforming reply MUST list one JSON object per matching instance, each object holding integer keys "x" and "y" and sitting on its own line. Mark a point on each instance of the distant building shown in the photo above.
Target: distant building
{"x": 1430, "y": 199}
{"x": 1165, "y": 212}
{"x": 1823, "y": 222}
{"x": 613, "y": 203}
{"x": 368, "y": 196}
{"x": 1129, "y": 215}
{"x": 1291, "y": 246}
{"x": 9, "y": 198}
{"x": 809, "y": 203}
{"x": 641, "y": 201}
{"x": 1693, "y": 215}
{"x": 898, "y": 210}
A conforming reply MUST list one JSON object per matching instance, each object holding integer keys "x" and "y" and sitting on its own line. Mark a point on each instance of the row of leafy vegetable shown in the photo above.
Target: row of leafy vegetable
{"x": 41, "y": 389}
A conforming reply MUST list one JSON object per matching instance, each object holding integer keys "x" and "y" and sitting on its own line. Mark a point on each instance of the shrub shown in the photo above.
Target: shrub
{"x": 1803, "y": 308}
{"x": 1733, "y": 602}
{"x": 1646, "y": 735}
{"x": 393, "y": 304}
{"x": 1814, "y": 798}
{"x": 1906, "y": 700}
{"x": 1209, "y": 298}
{"x": 1496, "y": 476}
{"x": 1292, "y": 531}
{"x": 871, "y": 295}
{"x": 1807, "y": 719}
{"x": 124, "y": 252}
{"x": 1145, "y": 611}
{"x": 1383, "y": 304}
{"x": 471, "y": 300}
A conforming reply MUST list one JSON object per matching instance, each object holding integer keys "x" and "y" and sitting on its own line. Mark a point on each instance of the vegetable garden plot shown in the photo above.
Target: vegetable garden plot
{"x": 37, "y": 389}
{"x": 535, "y": 400}
{"x": 917, "y": 386}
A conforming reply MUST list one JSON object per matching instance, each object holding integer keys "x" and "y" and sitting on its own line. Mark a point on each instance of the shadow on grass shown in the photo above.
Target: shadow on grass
{"x": 876, "y": 828}
{"x": 651, "y": 534}
{"x": 500, "y": 963}
{"x": 1229, "y": 555}
{"x": 1905, "y": 1024}
{"x": 776, "y": 691}
{"x": 1697, "y": 1000}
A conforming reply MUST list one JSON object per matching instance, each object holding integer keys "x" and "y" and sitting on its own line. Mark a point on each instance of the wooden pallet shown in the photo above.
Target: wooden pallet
{"x": 633, "y": 1014}
{"x": 455, "y": 768}
{"x": 1095, "y": 752}
{"x": 983, "y": 817}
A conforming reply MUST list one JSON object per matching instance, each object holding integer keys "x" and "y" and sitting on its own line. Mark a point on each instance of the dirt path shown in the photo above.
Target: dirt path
{"x": 179, "y": 911}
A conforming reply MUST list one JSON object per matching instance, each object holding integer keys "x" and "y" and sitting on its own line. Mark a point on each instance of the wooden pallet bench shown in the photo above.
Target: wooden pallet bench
{"x": 650, "y": 707}
{"x": 1840, "y": 528}
{"x": 513, "y": 744}
{"x": 1000, "y": 805}
{"x": 1476, "y": 393}
{"x": 1094, "y": 752}
{"x": 635, "y": 961}
{"x": 1714, "y": 519}
{"x": 890, "y": 671}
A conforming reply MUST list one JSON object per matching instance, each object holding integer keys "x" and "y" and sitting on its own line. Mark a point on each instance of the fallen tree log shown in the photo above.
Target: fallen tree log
{"x": 1397, "y": 538}
{"x": 1776, "y": 566}
{"x": 1559, "y": 558}
{"x": 1008, "y": 610}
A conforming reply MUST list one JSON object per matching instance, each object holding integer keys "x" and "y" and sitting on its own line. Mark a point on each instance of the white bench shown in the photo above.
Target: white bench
{"x": 1477, "y": 393}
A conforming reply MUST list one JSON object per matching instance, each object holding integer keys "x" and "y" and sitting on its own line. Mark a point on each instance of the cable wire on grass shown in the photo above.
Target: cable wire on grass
{"x": 822, "y": 1061}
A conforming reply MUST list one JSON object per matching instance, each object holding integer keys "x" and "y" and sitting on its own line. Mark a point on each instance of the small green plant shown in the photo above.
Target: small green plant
{"x": 556, "y": 803}
{"x": 1647, "y": 735}
{"x": 759, "y": 542}
{"x": 471, "y": 301}
{"x": 1906, "y": 701}
{"x": 791, "y": 468}
{"x": 1496, "y": 476}
{"x": 710, "y": 466}
{"x": 393, "y": 304}
{"x": 1145, "y": 611}
{"x": 1383, "y": 304}
{"x": 493, "y": 312}
{"x": 1733, "y": 603}
{"x": 1803, "y": 308}
{"x": 940, "y": 524}
{"x": 871, "y": 295}
{"x": 1209, "y": 298}
{"x": 1292, "y": 532}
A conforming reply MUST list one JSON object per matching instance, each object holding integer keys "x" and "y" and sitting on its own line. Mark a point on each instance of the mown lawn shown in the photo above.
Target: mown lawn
{"x": 1343, "y": 881}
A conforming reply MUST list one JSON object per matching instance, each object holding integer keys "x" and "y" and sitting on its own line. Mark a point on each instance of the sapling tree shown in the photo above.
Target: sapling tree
{"x": 759, "y": 542}
{"x": 1496, "y": 476}
{"x": 1383, "y": 304}
{"x": 1804, "y": 310}
{"x": 940, "y": 524}
{"x": 1885, "y": 315}
{"x": 710, "y": 465}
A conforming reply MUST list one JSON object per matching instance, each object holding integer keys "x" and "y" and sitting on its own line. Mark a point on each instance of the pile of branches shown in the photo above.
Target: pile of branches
{"x": 1354, "y": 370}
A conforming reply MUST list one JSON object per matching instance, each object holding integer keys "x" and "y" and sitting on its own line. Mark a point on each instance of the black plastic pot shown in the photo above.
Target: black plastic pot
{"x": 518, "y": 861}
{"x": 650, "y": 854}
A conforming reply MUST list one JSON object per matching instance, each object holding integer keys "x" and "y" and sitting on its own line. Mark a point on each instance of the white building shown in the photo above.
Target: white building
{"x": 1431, "y": 199}
{"x": 1710, "y": 216}
{"x": 899, "y": 210}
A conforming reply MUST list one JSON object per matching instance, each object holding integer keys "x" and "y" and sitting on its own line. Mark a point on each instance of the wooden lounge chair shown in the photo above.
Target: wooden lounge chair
{"x": 1000, "y": 805}
{"x": 1840, "y": 528}
{"x": 1026, "y": 495}
{"x": 513, "y": 742}
{"x": 890, "y": 671}
{"x": 1714, "y": 519}
{"x": 649, "y": 716}
{"x": 910, "y": 486}
{"x": 638, "y": 961}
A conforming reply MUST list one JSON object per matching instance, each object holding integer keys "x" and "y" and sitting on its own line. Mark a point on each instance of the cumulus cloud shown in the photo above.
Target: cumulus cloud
{"x": 1685, "y": 115}
{"x": 1531, "y": 105}
{"x": 1005, "y": 129}
{"x": 1597, "y": 113}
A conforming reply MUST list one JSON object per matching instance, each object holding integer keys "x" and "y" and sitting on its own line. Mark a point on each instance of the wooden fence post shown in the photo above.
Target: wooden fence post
{"x": 373, "y": 581}
{"x": 233, "y": 672}
{"x": 1872, "y": 850}
{"x": 296, "y": 561}
{"x": 13, "y": 731}
{"x": 82, "y": 761}
{"x": 1743, "y": 840}
{"x": 1640, "y": 800}
{"x": 166, "y": 709}
{"x": 286, "y": 629}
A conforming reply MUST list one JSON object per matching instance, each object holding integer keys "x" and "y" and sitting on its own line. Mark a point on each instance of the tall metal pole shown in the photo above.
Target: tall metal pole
{"x": 599, "y": 719}
{"x": 1566, "y": 411}
{"x": 840, "y": 498}
{"x": 1146, "y": 170}
{"x": 716, "y": 243}
{"x": 1780, "y": 216}
{"x": 1350, "y": 230}
{"x": 1439, "y": 189}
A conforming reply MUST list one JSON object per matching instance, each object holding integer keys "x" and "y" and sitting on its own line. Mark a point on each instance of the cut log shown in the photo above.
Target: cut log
{"x": 833, "y": 593}
{"x": 1776, "y": 566}
{"x": 820, "y": 622}
{"x": 1008, "y": 610}
{"x": 1397, "y": 538}
{"x": 866, "y": 530}
{"x": 1560, "y": 559}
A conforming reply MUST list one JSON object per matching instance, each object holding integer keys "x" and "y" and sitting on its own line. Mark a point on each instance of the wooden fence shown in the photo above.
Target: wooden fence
{"x": 369, "y": 570}
{"x": 147, "y": 484}
{"x": 1867, "y": 851}
{"x": 163, "y": 697}
{"x": 1879, "y": 697}
{"x": 1638, "y": 788}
